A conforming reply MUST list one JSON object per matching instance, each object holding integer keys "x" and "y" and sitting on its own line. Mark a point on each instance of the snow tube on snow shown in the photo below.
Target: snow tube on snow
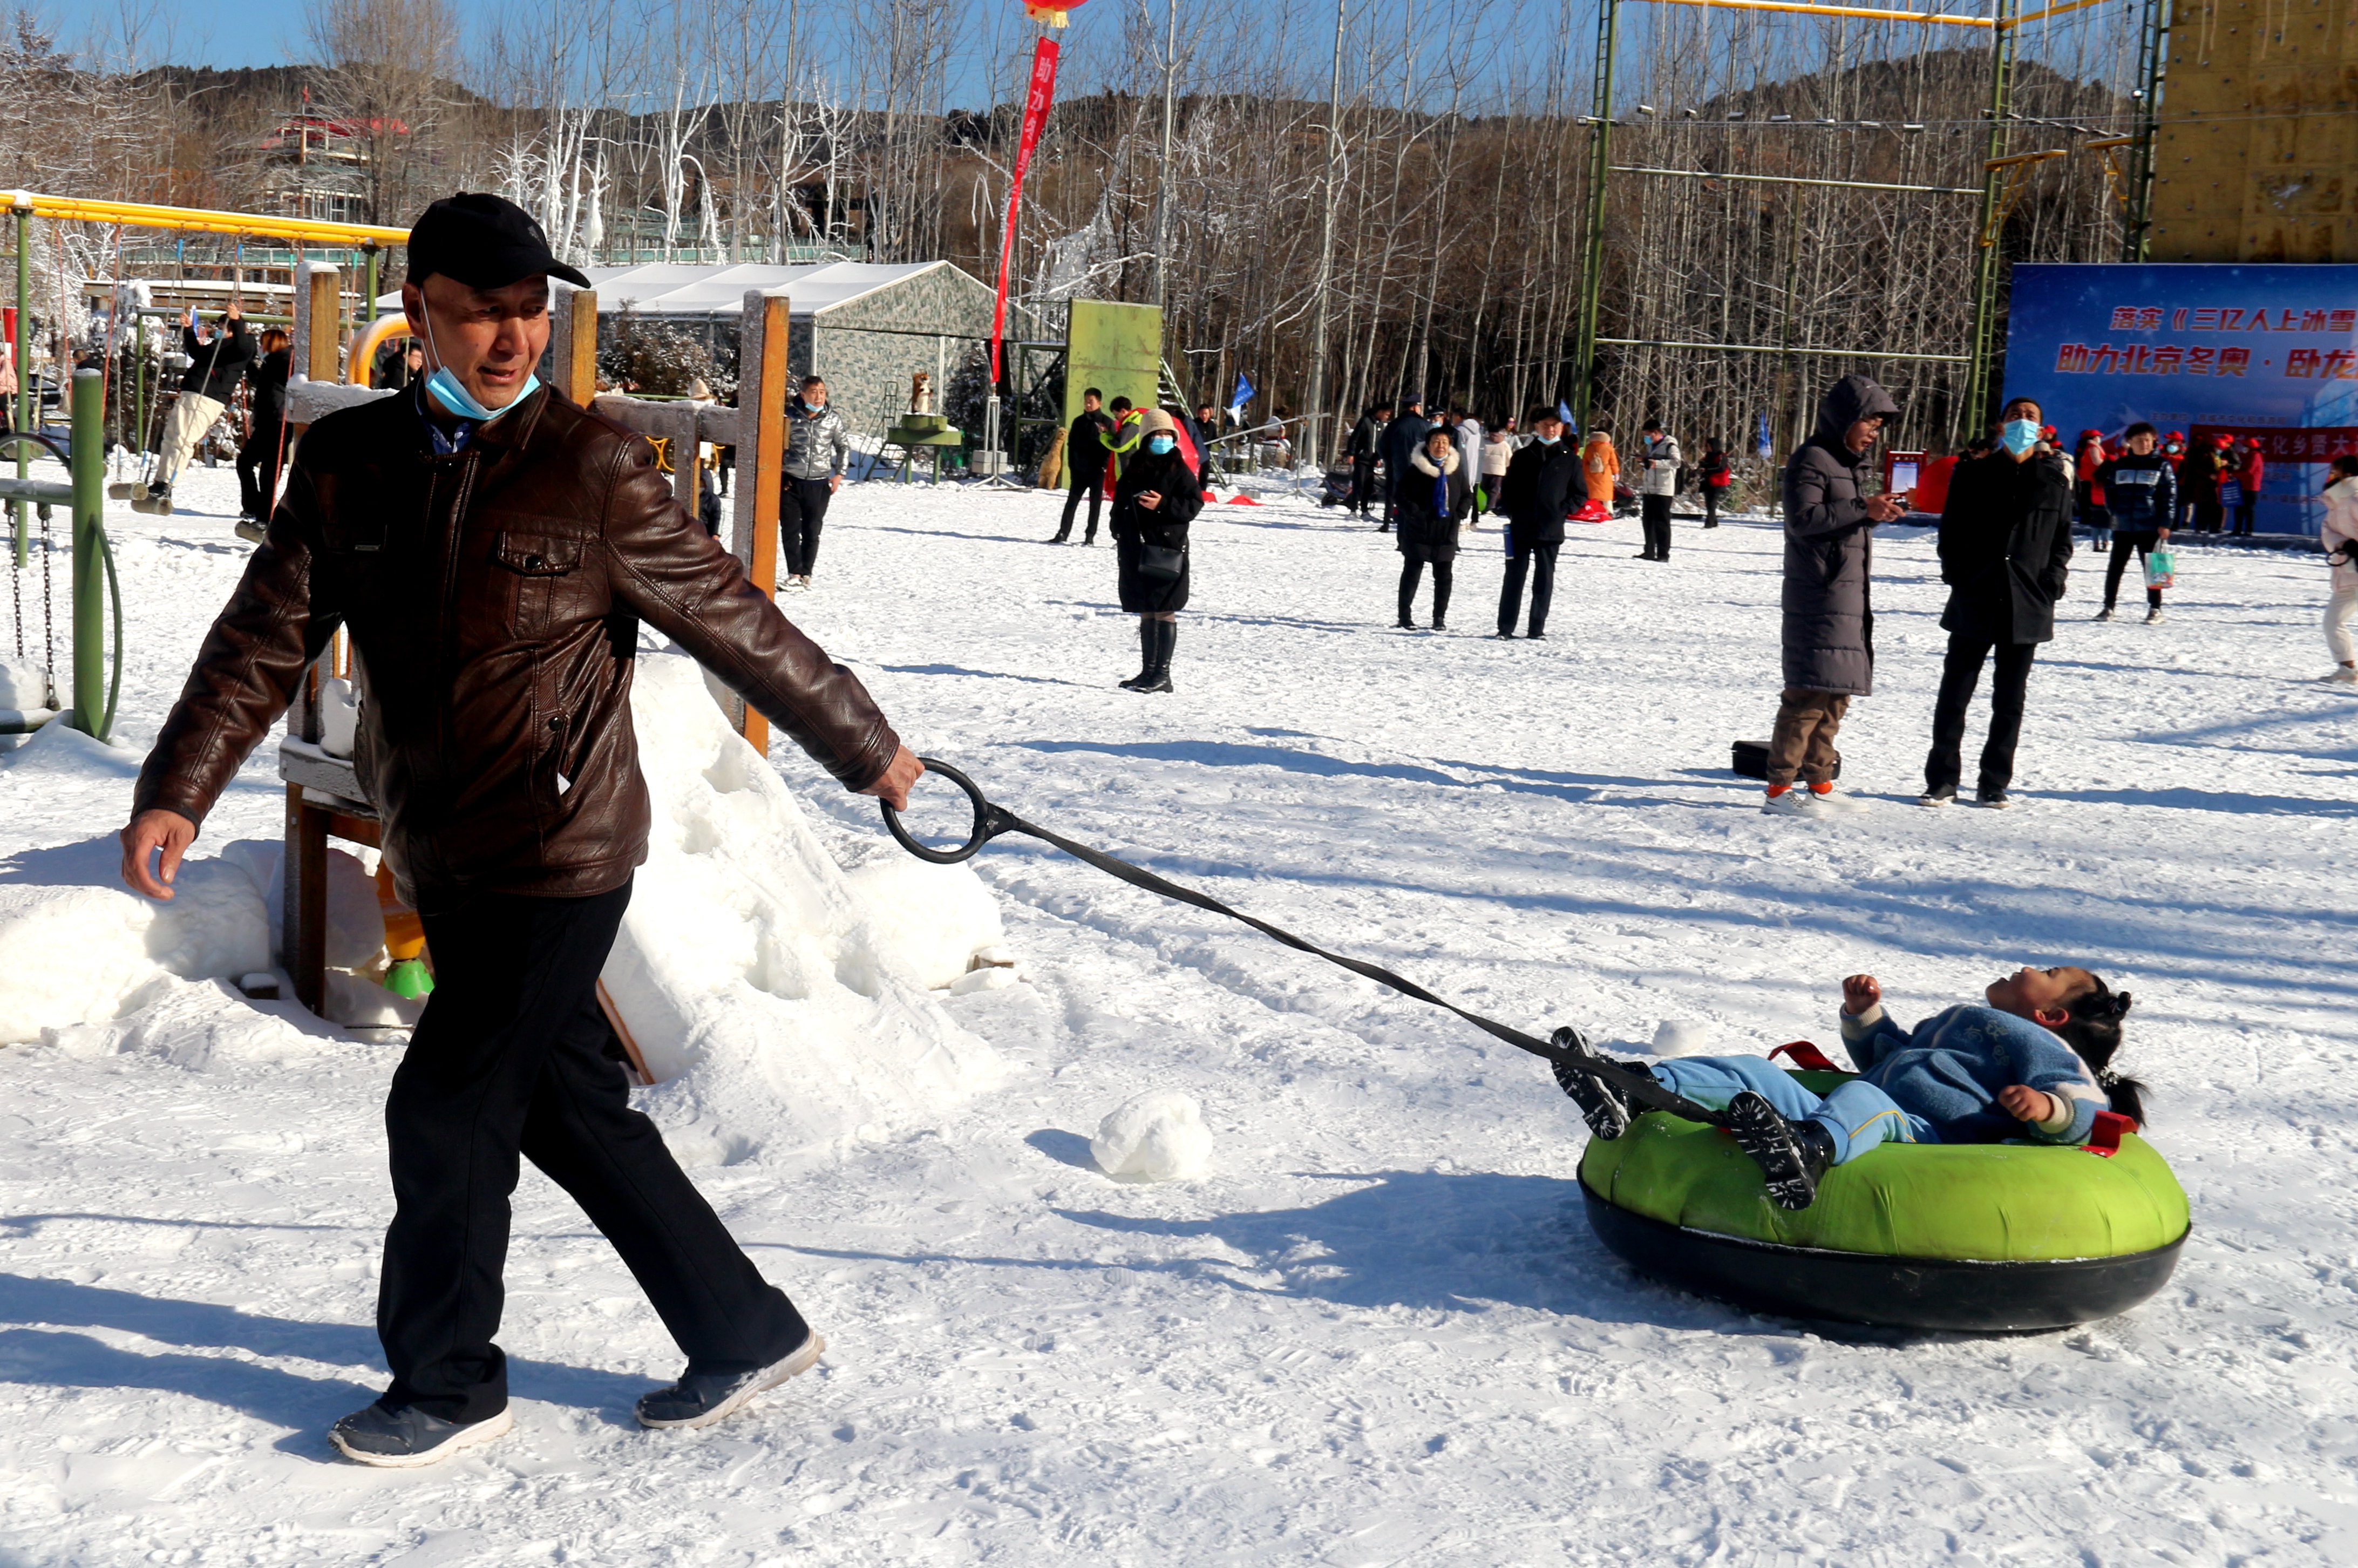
{"x": 1977, "y": 1237}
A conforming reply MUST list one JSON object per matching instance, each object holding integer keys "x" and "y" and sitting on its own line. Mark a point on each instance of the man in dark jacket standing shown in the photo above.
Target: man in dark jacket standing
{"x": 492, "y": 549}
{"x": 1363, "y": 449}
{"x": 1828, "y": 636}
{"x": 2006, "y": 545}
{"x": 1400, "y": 438}
{"x": 266, "y": 441}
{"x": 1541, "y": 480}
{"x": 1085, "y": 462}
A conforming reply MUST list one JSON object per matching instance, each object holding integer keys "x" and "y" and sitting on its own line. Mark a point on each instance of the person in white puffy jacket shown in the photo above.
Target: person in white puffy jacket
{"x": 2339, "y": 534}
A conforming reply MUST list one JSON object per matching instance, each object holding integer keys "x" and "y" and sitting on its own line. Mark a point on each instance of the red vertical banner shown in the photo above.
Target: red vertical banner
{"x": 1035, "y": 115}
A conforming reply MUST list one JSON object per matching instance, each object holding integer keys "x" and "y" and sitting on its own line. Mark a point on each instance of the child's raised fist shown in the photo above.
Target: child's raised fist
{"x": 1859, "y": 993}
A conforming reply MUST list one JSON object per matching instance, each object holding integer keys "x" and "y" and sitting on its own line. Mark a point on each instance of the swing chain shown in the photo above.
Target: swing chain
{"x": 49, "y": 619}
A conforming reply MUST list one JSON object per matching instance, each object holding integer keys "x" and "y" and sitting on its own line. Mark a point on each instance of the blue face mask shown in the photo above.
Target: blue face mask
{"x": 1546, "y": 440}
{"x": 1159, "y": 443}
{"x": 446, "y": 390}
{"x": 2020, "y": 435}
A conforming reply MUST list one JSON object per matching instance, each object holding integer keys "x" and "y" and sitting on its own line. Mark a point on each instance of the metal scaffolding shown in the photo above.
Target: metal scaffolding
{"x": 2004, "y": 178}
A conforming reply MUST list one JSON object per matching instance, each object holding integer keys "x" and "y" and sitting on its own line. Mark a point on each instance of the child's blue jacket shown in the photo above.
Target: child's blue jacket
{"x": 1949, "y": 1070}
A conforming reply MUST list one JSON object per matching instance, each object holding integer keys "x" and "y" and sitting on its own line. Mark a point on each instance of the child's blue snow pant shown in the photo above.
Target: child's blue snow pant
{"x": 1858, "y": 1115}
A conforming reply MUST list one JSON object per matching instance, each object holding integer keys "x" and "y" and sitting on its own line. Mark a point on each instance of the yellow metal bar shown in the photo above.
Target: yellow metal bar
{"x": 198, "y": 220}
{"x": 2052, "y": 11}
{"x": 1793, "y": 6}
{"x": 2026, "y": 158}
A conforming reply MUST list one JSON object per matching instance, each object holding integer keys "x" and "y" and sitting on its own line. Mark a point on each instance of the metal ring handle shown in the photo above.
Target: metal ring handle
{"x": 985, "y": 825}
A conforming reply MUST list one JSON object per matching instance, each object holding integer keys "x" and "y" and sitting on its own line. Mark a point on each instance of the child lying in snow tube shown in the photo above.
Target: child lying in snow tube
{"x": 1989, "y": 1213}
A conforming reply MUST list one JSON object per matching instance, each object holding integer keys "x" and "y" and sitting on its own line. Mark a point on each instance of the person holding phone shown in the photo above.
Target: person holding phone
{"x": 2006, "y": 545}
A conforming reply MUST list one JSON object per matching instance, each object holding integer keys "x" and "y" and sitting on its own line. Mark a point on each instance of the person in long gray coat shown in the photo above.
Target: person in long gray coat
{"x": 1829, "y": 609}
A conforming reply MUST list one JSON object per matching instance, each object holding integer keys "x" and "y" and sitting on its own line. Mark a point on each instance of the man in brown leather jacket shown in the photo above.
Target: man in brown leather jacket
{"x": 493, "y": 550}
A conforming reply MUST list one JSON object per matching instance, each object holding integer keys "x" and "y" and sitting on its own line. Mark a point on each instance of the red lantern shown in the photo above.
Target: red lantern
{"x": 1050, "y": 13}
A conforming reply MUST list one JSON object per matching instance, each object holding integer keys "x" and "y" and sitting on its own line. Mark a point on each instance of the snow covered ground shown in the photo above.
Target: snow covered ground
{"x": 1378, "y": 1331}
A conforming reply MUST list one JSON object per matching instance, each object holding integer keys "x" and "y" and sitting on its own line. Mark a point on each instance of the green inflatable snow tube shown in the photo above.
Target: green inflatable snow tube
{"x": 1977, "y": 1237}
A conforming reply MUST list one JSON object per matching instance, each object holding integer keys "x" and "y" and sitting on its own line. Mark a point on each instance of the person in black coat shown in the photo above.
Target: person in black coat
{"x": 1401, "y": 437}
{"x": 258, "y": 455}
{"x": 1433, "y": 496}
{"x": 1085, "y": 462}
{"x": 1153, "y": 501}
{"x": 2006, "y": 545}
{"x": 1537, "y": 495}
{"x": 1363, "y": 449}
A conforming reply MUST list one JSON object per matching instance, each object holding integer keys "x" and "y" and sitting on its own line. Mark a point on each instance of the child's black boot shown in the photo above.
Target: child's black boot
{"x": 1601, "y": 1105}
{"x": 1793, "y": 1156}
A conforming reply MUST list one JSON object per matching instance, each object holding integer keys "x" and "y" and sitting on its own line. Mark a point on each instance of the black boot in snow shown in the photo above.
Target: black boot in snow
{"x": 1145, "y": 656}
{"x": 1793, "y": 1156}
{"x": 1601, "y": 1105}
{"x": 1158, "y": 673}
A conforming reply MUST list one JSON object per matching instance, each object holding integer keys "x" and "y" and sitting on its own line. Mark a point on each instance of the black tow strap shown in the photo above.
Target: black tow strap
{"x": 991, "y": 821}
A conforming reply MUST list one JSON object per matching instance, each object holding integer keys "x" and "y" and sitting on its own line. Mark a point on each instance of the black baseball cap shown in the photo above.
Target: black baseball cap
{"x": 484, "y": 241}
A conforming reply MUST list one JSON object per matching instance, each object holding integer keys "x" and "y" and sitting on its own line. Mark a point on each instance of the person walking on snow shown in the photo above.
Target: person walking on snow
{"x": 1364, "y": 450}
{"x": 1829, "y": 616}
{"x": 1085, "y": 462}
{"x": 2339, "y": 534}
{"x": 1155, "y": 500}
{"x": 2141, "y": 493}
{"x": 1715, "y": 474}
{"x": 2088, "y": 490}
{"x": 1400, "y": 438}
{"x": 816, "y": 445}
{"x": 1600, "y": 466}
{"x": 1657, "y": 481}
{"x": 2006, "y": 552}
{"x": 1536, "y": 494}
{"x": 217, "y": 362}
{"x": 1432, "y": 500}
{"x": 1465, "y": 439}
{"x": 265, "y": 445}
{"x": 481, "y": 539}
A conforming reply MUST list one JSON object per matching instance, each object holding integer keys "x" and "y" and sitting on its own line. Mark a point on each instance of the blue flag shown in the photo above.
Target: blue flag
{"x": 1761, "y": 440}
{"x": 1244, "y": 395}
{"x": 1564, "y": 411}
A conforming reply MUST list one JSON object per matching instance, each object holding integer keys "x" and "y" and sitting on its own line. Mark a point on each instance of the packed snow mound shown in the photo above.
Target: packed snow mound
{"x": 200, "y": 1025}
{"x": 1681, "y": 1037}
{"x": 22, "y": 685}
{"x": 77, "y": 947}
{"x": 779, "y": 1005}
{"x": 1158, "y": 1136}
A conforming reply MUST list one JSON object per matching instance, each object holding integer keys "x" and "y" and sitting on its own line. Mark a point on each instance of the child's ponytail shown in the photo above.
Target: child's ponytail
{"x": 2094, "y": 1030}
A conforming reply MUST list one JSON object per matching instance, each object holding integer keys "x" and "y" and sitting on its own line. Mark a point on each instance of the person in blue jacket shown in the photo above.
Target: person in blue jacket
{"x": 2035, "y": 1062}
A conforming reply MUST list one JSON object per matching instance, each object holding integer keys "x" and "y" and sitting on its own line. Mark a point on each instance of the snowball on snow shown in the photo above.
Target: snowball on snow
{"x": 1159, "y": 1136}
{"x": 1676, "y": 1037}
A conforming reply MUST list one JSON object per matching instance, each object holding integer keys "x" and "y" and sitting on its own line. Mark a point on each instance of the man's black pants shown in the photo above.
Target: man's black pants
{"x": 1363, "y": 484}
{"x": 1539, "y": 562}
{"x": 257, "y": 469}
{"x": 1092, "y": 484}
{"x": 802, "y": 512}
{"x": 1959, "y": 676}
{"x": 1656, "y": 511}
{"x": 511, "y": 1058}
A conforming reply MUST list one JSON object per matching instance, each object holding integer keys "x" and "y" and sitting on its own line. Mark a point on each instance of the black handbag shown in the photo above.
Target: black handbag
{"x": 1159, "y": 564}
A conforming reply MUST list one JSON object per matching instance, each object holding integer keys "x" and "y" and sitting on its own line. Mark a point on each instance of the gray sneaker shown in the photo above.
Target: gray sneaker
{"x": 407, "y": 1438}
{"x": 699, "y": 1399}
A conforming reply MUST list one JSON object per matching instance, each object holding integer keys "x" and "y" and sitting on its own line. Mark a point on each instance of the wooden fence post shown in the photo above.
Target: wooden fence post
{"x": 762, "y": 378}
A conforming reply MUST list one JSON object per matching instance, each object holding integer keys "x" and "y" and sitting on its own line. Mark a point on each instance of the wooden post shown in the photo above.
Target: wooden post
{"x": 573, "y": 343}
{"x": 761, "y": 456}
{"x": 303, "y": 940}
{"x": 324, "y": 293}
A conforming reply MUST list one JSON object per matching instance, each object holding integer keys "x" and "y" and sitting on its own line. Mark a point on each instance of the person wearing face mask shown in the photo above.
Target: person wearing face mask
{"x": 816, "y": 447}
{"x": 1536, "y": 494}
{"x": 492, "y": 550}
{"x": 1829, "y": 614}
{"x": 2005, "y": 549}
{"x": 1433, "y": 497}
{"x": 1154, "y": 499}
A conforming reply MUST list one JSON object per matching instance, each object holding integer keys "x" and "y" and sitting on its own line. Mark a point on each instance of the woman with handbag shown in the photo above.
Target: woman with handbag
{"x": 1153, "y": 501}
{"x": 1433, "y": 494}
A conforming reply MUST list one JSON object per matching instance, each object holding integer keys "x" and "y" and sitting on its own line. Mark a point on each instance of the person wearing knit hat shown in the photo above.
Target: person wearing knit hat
{"x": 2251, "y": 471}
{"x": 1155, "y": 500}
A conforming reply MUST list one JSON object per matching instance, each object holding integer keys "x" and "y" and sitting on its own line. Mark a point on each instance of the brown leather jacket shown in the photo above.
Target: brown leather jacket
{"x": 493, "y": 597}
